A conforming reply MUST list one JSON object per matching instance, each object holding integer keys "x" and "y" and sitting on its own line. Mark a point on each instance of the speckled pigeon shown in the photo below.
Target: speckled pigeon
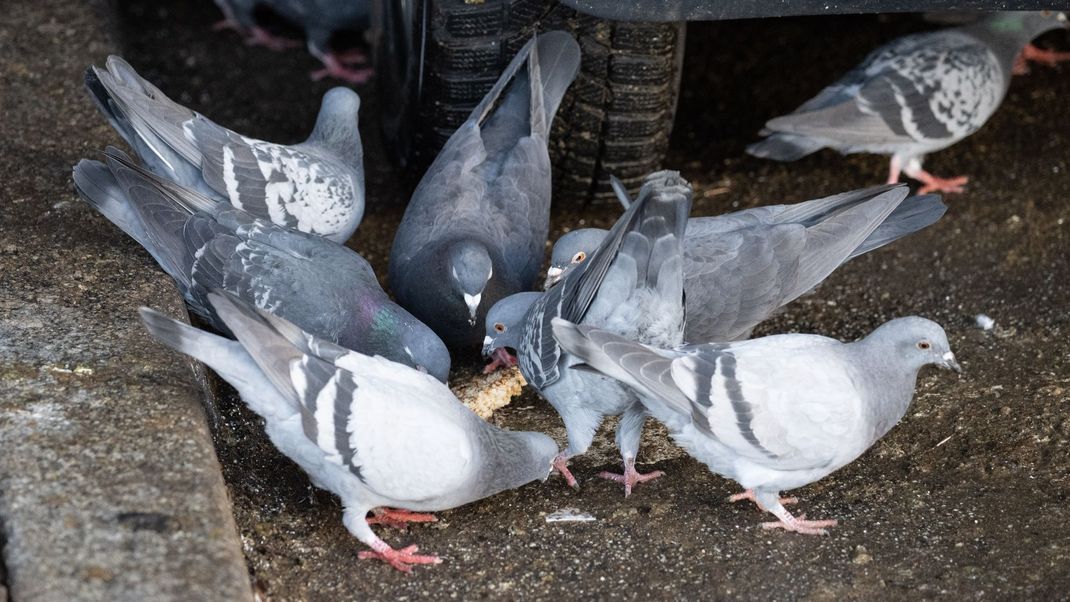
{"x": 632, "y": 284}
{"x": 918, "y": 94}
{"x": 320, "y": 20}
{"x": 323, "y": 287}
{"x": 378, "y": 434}
{"x": 777, "y": 412}
{"x": 316, "y": 186}
{"x": 475, "y": 230}
{"x": 741, "y": 267}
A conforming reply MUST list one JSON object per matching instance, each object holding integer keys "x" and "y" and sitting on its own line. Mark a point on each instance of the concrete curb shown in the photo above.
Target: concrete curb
{"x": 109, "y": 483}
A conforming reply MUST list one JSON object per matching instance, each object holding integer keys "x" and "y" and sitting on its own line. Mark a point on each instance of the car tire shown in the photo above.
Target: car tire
{"x": 437, "y": 59}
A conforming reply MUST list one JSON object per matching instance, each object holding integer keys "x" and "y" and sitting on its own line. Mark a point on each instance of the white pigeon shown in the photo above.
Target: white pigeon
{"x": 777, "y": 412}
{"x": 378, "y": 434}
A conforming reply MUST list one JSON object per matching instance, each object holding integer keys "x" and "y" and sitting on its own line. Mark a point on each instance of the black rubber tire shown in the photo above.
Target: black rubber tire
{"x": 615, "y": 120}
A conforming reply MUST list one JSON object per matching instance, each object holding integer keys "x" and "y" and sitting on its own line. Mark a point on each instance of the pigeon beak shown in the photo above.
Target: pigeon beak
{"x": 487, "y": 346}
{"x": 472, "y": 301}
{"x": 949, "y": 362}
{"x": 553, "y": 275}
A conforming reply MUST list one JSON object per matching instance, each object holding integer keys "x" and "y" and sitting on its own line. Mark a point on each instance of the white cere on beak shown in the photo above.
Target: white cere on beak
{"x": 487, "y": 341}
{"x": 553, "y": 272}
{"x": 472, "y": 301}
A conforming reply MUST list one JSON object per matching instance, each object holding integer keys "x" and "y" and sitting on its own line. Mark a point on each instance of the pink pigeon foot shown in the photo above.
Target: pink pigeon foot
{"x": 399, "y": 518}
{"x": 561, "y": 466}
{"x": 401, "y": 560}
{"x": 631, "y": 476}
{"x": 333, "y": 67}
{"x": 1036, "y": 54}
{"x": 749, "y": 495}
{"x": 800, "y": 524}
{"x": 258, "y": 36}
{"x": 352, "y": 56}
{"x": 227, "y": 23}
{"x": 930, "y": 182}
{"x": 500, "y": 358}
{"x": 935, "y": 184}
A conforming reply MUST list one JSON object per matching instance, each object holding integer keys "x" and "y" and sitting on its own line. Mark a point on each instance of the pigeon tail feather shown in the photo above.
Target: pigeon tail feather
{"x": 552, "y": 67}
{"x": 914, "y": 214}
{"x": 784, "y": 147}
{"x": 619, "y": 358}
{"x": 97, "y": 186}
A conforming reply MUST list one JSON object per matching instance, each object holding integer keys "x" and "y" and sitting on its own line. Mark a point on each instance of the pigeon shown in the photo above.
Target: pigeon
{"x": 777, "y": 412}
{"x": 320, "y": 20}
{"x": 378, "y": 434}
{"x": 475, "y": 230}
{"x": 323, "y": 287}
{"x": 741, "y": 267}
{"x": 633, "y": 285}
{"x": 316, "y": 186}
{"x": 918, "y": 94}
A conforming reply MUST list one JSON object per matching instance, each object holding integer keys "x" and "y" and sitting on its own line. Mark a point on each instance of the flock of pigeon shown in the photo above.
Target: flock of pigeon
{"x": 649, "y": 318}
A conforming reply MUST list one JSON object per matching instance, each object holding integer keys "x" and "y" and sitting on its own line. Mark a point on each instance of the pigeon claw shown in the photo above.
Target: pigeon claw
{"x": 258, "y": 36}
{"x": 631, "y": 476}
{"x": 1039, "y": 55}
{"x": 335, "y": 67}
{"x": 399, "y": 518}
{"x": 500, "y": 358}
{"x": 801, "y": 525}
{"x": 561, "y": 466}
{"x": 401, "y": 560}
{"x": 931, "y": 183}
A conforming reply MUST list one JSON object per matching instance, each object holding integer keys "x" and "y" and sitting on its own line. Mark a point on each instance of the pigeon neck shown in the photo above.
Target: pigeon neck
{"x": 509, "y": 460}
{"x": 888, "y": 384}
{"x": 340, "y": 134}
{"x": 1007, "y": 33}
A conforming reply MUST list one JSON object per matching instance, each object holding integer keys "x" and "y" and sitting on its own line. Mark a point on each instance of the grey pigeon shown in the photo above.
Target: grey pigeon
{"x": 633, "y": 285}
{"x": 773, "y": 413}
{"x": 376, "y": 433}
{"x": 323, "y": 287}
{"x": 918, "y": 94}
{"x": 475, "y": 230}
{"x": 741, "y": 267}
{"x": 316, "y": 186}
{"x": 319, "y": 19}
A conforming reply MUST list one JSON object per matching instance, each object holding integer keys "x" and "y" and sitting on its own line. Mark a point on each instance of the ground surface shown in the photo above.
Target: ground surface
{"x": 967, "y": 496}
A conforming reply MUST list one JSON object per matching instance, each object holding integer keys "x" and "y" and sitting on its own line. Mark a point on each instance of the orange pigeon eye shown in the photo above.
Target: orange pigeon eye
{"x": 499, "y": 327}
{"x": 579, "y": 257}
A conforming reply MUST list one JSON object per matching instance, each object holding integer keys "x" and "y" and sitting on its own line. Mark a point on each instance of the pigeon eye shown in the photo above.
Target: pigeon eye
{"x": 579, "y": 257}
{"x": 923, "y": 345}
{"x": 499, "y": 327}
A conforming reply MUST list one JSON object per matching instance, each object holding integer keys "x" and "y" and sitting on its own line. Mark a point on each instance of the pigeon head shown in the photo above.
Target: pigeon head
{"x": 514, "y": 459}
{"x": 505, "y": 322}
{"x": 336, "y": 126}
{"x": 1023, "y": 26}
{"x": 470, "y": 269}
{"x": 427, "y": 352}
{"x": 919, "y": 341}
{"x": 571, "y": 250}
